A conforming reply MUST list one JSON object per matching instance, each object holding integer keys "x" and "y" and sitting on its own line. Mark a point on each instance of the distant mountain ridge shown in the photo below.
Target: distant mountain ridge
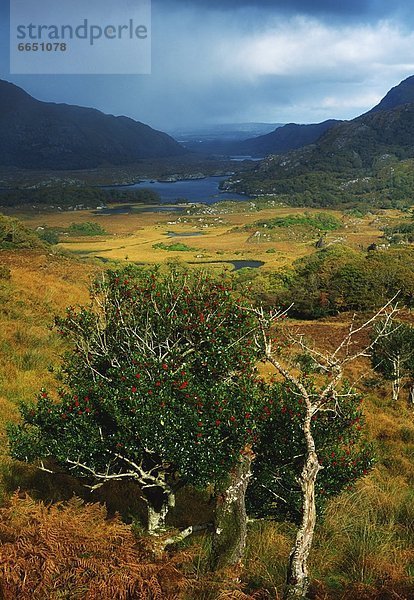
{"x": 344, "y": 155}
{"x": 283, "y": 139}
{"x": 44, "y": 135}
{"x": 294, "y": 136}
{"x": 229, "y": 132}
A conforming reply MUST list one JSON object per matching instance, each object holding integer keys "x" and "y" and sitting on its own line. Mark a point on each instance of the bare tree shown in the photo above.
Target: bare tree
{"x": 323, "y": 393}
{"x": 393, "y": 356}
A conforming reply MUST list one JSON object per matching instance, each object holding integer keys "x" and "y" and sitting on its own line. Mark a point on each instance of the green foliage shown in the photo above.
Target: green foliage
{"x": 13, "y": 235}
{"x": 76, "y": 195}
{"x": 338, "y": 279}
{"x": 49, "y": 235}
{"x": 281, "y": 447}
{"x": 162, "y": 372}
{"x": 334, "y": 178}
{"x": 177, "y": 247}
{"x": 5, "y": 272}
{"x": 319, "y": 221}
{"x": 393, "y": 354}
{"x": 87, "y": 228}
{"x": 401, "y": 233}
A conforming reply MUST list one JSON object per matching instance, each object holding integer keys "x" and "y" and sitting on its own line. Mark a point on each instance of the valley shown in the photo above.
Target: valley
{"x": 220, "y": 232}
{"x": 207, "y": 346}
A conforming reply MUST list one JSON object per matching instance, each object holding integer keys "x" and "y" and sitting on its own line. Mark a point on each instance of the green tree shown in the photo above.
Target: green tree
{"x": 160, "y": 387}
{"x": 338, "y": 279}
{"x": 342, "y": 452}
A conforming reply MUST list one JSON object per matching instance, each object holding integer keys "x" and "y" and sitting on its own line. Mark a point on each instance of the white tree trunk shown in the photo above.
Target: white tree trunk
{"x": 230, "y": 527}
{"x": 298, "y": 578}
{"x": 411, "y": 395}
{"x": 396, "y": 382}
{"x": 157, "y": 514}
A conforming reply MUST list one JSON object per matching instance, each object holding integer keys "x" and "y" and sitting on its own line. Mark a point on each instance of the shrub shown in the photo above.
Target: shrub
{"x": 14, "y": 235}
{"x": 177, "y": 247}
{"x": 5, "y": 272}
{"x": 87, "y": 228}
{"x": 49, "y": 235}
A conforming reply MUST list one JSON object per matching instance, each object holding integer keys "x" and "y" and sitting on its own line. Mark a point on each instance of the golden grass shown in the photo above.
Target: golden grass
{"x": 41, "y": 286}
{"x": 131, "y": 237}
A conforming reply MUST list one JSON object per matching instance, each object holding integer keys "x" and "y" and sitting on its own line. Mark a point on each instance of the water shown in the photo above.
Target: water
{"x": 127, "y": 209}
{"x": 243, "y": 158}
{"x": 191, "y": 190}
{"x": 242, "y": 264}
{"x": 237, "y": 264}
{"x": 184, "y": 234}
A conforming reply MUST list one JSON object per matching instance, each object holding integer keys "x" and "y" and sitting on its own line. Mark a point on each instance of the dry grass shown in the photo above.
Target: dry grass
{"x": 366, "y": 537}
{"x": 133, "y": 235}
{"x": 41, "y": 286}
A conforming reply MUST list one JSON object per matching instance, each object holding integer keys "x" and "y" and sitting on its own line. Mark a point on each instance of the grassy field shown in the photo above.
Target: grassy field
{"x": 364, "y": 543}
{"x": 222, "y": 237}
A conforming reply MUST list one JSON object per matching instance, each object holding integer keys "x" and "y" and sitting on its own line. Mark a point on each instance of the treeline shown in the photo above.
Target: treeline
{"x": 387, "y": 184}
{"x": 75, "y": 195}
{"x": 337, "y": 279}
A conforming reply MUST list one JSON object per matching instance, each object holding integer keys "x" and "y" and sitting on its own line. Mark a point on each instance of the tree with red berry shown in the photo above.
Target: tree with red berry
{"x": 160, "y": 387}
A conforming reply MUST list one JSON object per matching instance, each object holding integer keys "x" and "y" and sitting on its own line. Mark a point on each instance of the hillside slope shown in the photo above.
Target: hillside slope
{"x": 283, "y": 139}
{"x": 347, "y": 151}
{"x": 44, "y": 135}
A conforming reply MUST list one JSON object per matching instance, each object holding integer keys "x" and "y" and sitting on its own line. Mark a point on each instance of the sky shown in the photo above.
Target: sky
{"x": 229, "y": 61}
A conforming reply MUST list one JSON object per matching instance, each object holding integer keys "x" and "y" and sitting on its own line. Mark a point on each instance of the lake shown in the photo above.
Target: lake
{"x": 204, "y": 190}
{"x": 237, "y": 264}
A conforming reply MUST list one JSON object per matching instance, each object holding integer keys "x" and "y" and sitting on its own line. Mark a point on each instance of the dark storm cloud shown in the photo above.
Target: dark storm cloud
{"x": 353, "y": 9}
{"x": 305, "y": 6}
{"x": 228, "y": 61}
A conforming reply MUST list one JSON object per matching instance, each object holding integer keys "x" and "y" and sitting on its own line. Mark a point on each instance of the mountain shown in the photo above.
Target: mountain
{"x": 221, "y": 139}
{"x": 349, "y": 155}
{"x": 403, "y": 93}
{"x": 261, "y": 141}
{"x": 225, "y": 132}
{"x": 45, "y": 135}
{"x": 283, "y": 139}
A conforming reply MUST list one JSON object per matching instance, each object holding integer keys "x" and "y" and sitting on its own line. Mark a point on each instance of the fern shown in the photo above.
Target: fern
{"x": 72, "y": 551}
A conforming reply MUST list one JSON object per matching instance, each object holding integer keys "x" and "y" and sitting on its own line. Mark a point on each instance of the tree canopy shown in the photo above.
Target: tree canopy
{"x": 159, "y": 385}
